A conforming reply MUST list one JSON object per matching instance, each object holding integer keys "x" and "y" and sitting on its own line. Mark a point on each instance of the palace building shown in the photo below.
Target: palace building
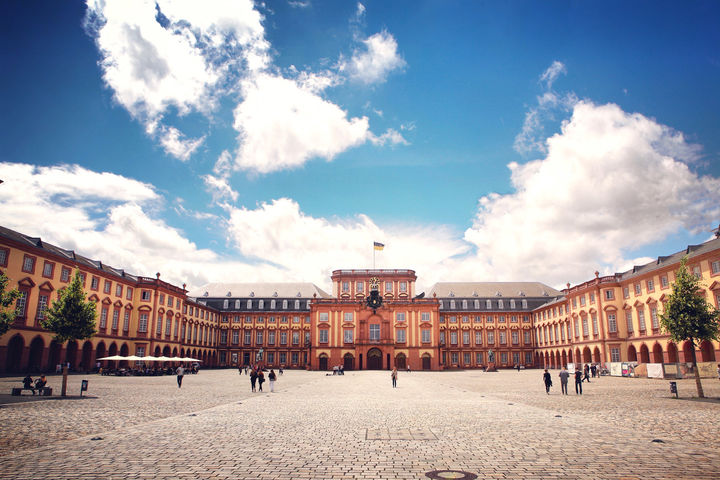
{"x": 373, "y": 319}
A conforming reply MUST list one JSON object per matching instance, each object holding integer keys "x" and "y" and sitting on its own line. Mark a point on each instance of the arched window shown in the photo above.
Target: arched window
{"x": 297, "y": 304}
{"x": 249, "y": 304}
{"x": 500, "y": 304}
{"x": 488, "y": 304}
{"x": 284, "y": 304}
{"x": 512, "y": 303}
{"x": 261, "y": 304}
{"x": 225, "y": 304}
{"x": 464, "y": 304}
{"x": 476, "y": 304}
{"x": 272, "y": 304}
{"x": 237, "y": 304}
{"x": 452, "y": 304}
{"x": 524, "y": 303}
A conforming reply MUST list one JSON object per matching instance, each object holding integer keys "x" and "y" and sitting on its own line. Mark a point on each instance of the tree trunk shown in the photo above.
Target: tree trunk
{"x": 697, "y": 372}
{"x": 64, "y": 381}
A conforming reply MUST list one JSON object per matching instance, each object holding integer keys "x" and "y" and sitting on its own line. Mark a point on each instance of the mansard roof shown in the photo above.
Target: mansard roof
{"x": 492, "y": 290}
{"x": 258, "y": 290}
{"x": 664, "y": 261}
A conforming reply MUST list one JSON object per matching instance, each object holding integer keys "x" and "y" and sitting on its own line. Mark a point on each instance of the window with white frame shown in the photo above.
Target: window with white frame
{"x": 360, "y": 286}
{"x": 247, "y": 336}
{"x": 464, "y": 305}
{"x": 641, "y": 319}
{"x": 650, "y": 286}
{"x": 595, "y": 324}
{"x": 503, "y": 357}
{"x": 526, "y": 337}
{"x": 442, "y": 338}
{"x": 348, "y": 335}
{"x": 345, "y": 286}
{"x": 297, "y": 304}
{"x": 143, "y": 323}
{"x": 664, "y": 281}
{"x": 453, "y": 337}
{"x": 612, "y": 323}
{"x": 629, "y": 320}
{"x": 261, "y": 304}
{"x": 491, "y": 337}
{"x": 488, "y": 304}
{"x": 403, "y": 287}
{"x": 715, "y": 267}
{"x": 501, "y": 305}
{"x": 454, "y": 358}
{"x": 425, "y": 316}
{"x": 577, "y": 328}
{"x": 388, "y": 287}
{"x": 425, "y": 335}
{"x": 400, "y": 335}
{"x": 259, "y": 337}
{"x": 295, "y": 337}
{"x": 283, "y": 338}
{"x": 296, "y": 319}
{"x": 223, "y": 337}
{"x": 347, "y": 317}
{"x": 374, "y": 332}
{"x": 654, "y": 318}
{"x": 225, "y": 304}
{"x": 478, "y": 338}
{"x": 400, "y": 317}
{"x": 115, "y": 319}
{"x": 614, "y": 354}
{"x": 452, "y": 304}
{"x": 501, "y": 319}
{"x": 638, "y": 289}
{"x": 515, "y": 337}
{"x": 126, "y": 321}
{"x": 609, "y": 295}
{"x": 479, "y": 358}
{"x": 512, "y": 303}
{"x": 585, "y": 329}
{"x": 323, "y": 316}
{"x": 103, "y": 317}
{"x": 466, "y": 337}
{"x": 697, "y": 271}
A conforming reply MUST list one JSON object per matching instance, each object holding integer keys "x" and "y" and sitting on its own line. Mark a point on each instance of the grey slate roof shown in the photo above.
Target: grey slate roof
{"x": 662, "y": 262}
{"x": 491, "y": 290}
{"x": 258, "y": 290}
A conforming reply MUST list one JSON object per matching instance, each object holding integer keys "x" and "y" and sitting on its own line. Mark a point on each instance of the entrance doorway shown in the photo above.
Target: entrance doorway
{"x": 348, "y": 362}
{"x": 426, "y": 362}
{"x": 323, "y": 362}
{"x": 246, "y": 358}
{"x": 401, "y": 361}
{"x": 374, "y": 359}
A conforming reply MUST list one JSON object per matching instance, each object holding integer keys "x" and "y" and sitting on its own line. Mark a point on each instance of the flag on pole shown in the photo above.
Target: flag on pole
{"x": 378, "y": 245}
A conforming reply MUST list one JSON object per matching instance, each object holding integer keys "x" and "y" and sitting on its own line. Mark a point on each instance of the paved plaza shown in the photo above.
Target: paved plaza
{"x": 492, "y": 425}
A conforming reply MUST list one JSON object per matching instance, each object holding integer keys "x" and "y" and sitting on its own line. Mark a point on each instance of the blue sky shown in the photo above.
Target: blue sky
{"x": 275, "y": 141}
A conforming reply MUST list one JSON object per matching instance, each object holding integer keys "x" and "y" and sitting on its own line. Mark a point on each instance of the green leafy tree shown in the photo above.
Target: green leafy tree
{"x": 71, "y": 317}
{"x": 688, "y": 316}
{"x": 7, "y": 299}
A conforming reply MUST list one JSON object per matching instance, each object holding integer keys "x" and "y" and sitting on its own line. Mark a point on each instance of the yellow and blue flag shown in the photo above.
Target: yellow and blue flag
{"x": 378, "y": 245}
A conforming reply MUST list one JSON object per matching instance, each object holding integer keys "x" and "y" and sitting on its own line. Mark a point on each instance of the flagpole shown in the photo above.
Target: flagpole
{"x": 373, "y": 256}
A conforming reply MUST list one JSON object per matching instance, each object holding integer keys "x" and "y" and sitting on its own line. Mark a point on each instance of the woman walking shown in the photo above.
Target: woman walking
{"x": 261, "y": 379}
{"x": 548, "y": 381}
{"x": 253, "y": 379}
{"x": 272, "y": 379}
{"x": 393, "y": 375}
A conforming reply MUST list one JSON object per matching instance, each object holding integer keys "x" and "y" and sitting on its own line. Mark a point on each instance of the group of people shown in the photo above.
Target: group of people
{"x": 257, "y": 376}
{"x": 38, "y": 384}
{"x": 579, "y": 375}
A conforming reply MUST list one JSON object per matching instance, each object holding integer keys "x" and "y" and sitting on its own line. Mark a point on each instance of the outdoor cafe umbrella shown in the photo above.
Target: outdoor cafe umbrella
{"x": 114, "y": 357}
{"x": 188, "y": 359}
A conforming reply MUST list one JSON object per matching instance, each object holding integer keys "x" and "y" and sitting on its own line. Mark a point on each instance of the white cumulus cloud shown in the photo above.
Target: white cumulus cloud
{"x": 375, "y": 61}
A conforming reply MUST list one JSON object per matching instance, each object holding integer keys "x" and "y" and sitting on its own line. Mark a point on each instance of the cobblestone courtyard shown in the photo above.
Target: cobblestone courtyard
{"x": 494, "y": 425}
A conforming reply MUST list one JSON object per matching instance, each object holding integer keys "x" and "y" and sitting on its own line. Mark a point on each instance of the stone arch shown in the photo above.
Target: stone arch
{"x": 570, "y": 356}
{"x": 100, "y": 350}
{"x": 400, "y": 361}
{"x": 558, "y": 361}
{"x": 175, "y": 352}
{"x": 657, "y": 353}
{"x": 124, "y": 351}
{"x": 166, "y": 351}
{"x": 632, "y": 354}
{"x": 86, "y": 364}
{"x": 15, "y": 348}
{"x": 323, "y": 362}
{"x": 687, "y": 352}
{"x": 37, "y": 347}
{"x": 596, "y": 355}
{"x": 157, "y": 351}
{"x": 672, "y": 352}
{"x": 71, "y": 353}
{"x": 644, "y": 354}
{"x": 564, "y": 359}
{"x": 707, "y": 354}
{"x": 348, "y": 361}
{"x": 55, "y": 350}
{"x": 578, "y": 357}
{"x": 426, "y": 361}
{"x": 587, "y": 358}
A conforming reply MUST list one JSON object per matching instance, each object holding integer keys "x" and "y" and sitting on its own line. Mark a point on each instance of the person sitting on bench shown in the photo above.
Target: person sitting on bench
{"x": 40, "y": 384}
{"x": 28, "y": 383}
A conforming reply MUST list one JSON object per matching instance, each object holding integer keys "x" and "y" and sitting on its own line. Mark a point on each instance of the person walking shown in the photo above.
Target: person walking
{"x": 260, "y": 379}
{"x": 272, "y": 377}
{"x": 253, "y": 379}
{"x": 564, "y": 375}
{"x": 548, "y": 381}
{"x": 180, "y": 372}
{"x": 587, "y": 373}
{"x": 578, "y": 381}
{"x": 393, "y": 375}
{"x": 593, "y": 370}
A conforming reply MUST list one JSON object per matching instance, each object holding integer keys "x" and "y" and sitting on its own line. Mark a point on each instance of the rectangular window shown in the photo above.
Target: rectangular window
{"x": 453, "y": 319}
{"x": 64, "y": 274}
{"x": 577, "y": 328}
{"x": 515, "y": 337}
{"x": 592, "y": 297}
{"x": 345, "y": 286}
{"x": 504, "y": 357}
{"x": 479, "y": 358}
{"x": 388, "y": 287}
{"x": 664, "y": 281}
{"x": 516, "y": 358}
{"x": 526, "y": 337}
{"x": 612, "y": 323}
{"x": 48, "y": 268}
{"x": 348, "y": 317}
{"x": 223, "y": 337}
{"x": 116, "y": 319}
{"x": 28, "y": 264}
{"x": 650, "y": 286}
{"x": 168, "y": 326}
{"x": 609, "y": 295}
{"x": 697, "y": 271}
{"x": 4, "y": 252}
{"x": 403, "y": 287}
{"x": 638, "y": 289}
{"x": 143, "y": 323}
{"x": 161, "y": 299}
{"x": 296, "y": 319}
{"x": 374, "y": 332}
{"x": 248, "y": 319}
{"x": 454, "y": 358}
{"x": 400, "y": 335}
{"x": 295, "y": 357}
{"x": 453, "y": 337}
{"x": 614, "y": 354}
{"x": 348, "y": 335}
{"x": 283, "y": 358}
{"x": 629, "y": 321}
{"x": 159, "y": 325}
{"x": 491, "y": 337}
{"x": 626, "y": 292}
{"x": 503, "y": 337}
{"x": 360, "y": 286}
{"x": 528, "y": 357}
{"x": 126, "y": 321}
{"x": 595, "y": 324}
{"x": 247, "y": 337}
{"x": 259, "y": 338}
{"x": 41, "y": 306}
{"x": 103, "y": 317}
{"x": 295, "y": 337}
{"x": 283, "y": 338}
{"x": 107, "y": 287}
{"x": 425, "y": 335}
{"x": 271, "y": 337}
{"x": 170, "y": 301}
{"x": 129, "y": 293}
{"x": 582, "y": 300}
{"x": 425, "y": 316}
{"x": 715, "y": 267}
{"x": 442, "y": 338}
{"x": 400, "y": 317}
{"x": 236, "y": 337}
{"x": 641, "y": 319}
{"x": 323, "y": 317}
{"x": 654, "y": 318}
{"x": 94, "y": 283}
{"x": 145, "y": 295}
{"x": 478, "y": 338}
{"x": 466, "y": 337}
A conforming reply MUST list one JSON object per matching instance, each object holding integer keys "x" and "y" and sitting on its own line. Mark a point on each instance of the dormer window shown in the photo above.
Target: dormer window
{"x": 488, "y": 304}
{"x": 500, "y": 304}
{"x": 229, "y": 294}
{"x": 275, "y": 294}
{"x": 512, "y": 303}
{"x": 252, "y": 294}
{"x": 284, "y": 304}
{"x": 521, "y": 293}
{"x": 225, "y": 304}
{"x": 297, "y": 304}
{"x": 237, "y": 304}
{"x": 298, "y": 295}
{"x": 475, "y": 294}
{"x": 464, "y": 305}
{"x": 476, "y": 304}
{"x": 272, "y": 303}
{"x": 498, "y": 294}
{"x": 524, "y": 304}
{"x": 452, "y": 294}
{"x": 249, "y": 304}
{"x": 261, "y": 304}
{"x": 452, "y": 304}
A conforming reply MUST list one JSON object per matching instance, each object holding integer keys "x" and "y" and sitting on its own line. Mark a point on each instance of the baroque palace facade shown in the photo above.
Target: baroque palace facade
{"x": 374, "y": 319}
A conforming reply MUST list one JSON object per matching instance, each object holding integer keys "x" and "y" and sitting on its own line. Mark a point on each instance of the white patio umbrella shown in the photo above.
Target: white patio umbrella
{"x": 114, "y": 357}
{"x": 188, "y": 359}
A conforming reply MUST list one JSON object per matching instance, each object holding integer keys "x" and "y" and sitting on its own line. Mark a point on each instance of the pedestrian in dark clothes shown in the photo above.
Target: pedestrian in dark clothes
{"x": 548, "y": 381}
{"x": 564, "y": 375}
{"x": 253, "y": 379}
{"x": 587, "y": 373}
{"x": 578, "y": 381}
{"x": 260, "y": 379}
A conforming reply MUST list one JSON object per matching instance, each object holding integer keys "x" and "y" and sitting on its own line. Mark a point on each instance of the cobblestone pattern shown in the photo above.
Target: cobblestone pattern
{"x": 498, "y": 426}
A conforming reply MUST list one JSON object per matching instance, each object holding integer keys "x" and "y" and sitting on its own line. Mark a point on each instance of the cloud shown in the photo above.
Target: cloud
{"x": 611, "y": 182}
{"x": 375, "y": 62}
{"x": 281, "y": 125}
{"x": 309, "y": 248}
{"x": 392, "y": 137}
{"x": 550, "y": 106}
{"x": 552, "y": 73}
{"x": 299, "y": 4}
{"x": 219, "y": 184}
{"x": 175, "y": 144}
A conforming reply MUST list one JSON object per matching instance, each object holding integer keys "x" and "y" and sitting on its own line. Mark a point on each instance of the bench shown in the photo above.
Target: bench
{"x": 46, "y": 391}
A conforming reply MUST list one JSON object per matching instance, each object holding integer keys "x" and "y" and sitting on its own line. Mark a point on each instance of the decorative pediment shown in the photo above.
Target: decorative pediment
{"x": 117, "y": 304}
{"x": 592, "y": 310}
{"x": 626, "y": 306}
{"x": 638, "y": 304}
{"x": 26, "y": 282}
{"x": 650, "y": 301}
{"x": 714, "y": 286}
{"x": 46, "y": 286}
{"x": 94, "y": 298}
{"x": 609, "y": 308}
{"x": 128, "y": 306}
{"x": 161, "y": 310}
{"x": 144, "y": 308}
{"x": 106, "y": 301}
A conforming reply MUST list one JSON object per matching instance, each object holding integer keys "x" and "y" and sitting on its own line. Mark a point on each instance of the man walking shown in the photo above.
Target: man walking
{"x": 393, "y": 375}
{"x": 564, "y": 375}
{"x": 548, "y": 381}
{"x": 180, "y": 372}
{"x": 578, "y": 380}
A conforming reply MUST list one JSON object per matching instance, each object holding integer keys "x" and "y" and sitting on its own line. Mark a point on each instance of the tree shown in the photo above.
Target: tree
{"x": 71, "y": 317}
{"x": 688, "y": 316}
{"x": 7, "y": 299}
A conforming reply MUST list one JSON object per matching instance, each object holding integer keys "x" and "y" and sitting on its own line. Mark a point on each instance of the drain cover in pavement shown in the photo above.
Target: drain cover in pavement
{"x": 399, "y": 434}
{"x": 454, "y": 474}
